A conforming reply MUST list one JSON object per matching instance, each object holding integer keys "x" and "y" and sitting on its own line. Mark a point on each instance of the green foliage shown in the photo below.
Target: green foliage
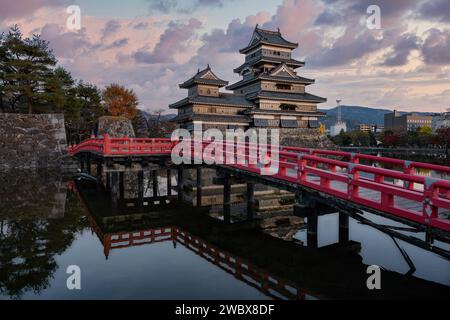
{"x": 31, "y": 82}
{"x": 26, "y": 70}
{"x": 355, "y": 138}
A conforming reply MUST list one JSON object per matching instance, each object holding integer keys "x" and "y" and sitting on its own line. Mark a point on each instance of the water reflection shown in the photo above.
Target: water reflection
{"x": 146, "y": 245}
{"x": 37, "y": 223}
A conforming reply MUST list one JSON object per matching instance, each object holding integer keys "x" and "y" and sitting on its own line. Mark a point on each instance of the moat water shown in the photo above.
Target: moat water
{"x": 49, "y": 222}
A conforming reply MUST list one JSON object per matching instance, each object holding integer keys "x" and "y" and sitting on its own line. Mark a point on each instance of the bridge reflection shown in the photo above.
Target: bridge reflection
{"x": 278, "y": 268}
{"x": 271, "y": 285}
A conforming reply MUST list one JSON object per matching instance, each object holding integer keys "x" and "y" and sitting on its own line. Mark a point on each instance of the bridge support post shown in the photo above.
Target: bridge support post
{"x": 312, "y": 231}
{"x": 180, "y": 184}
{"x": 304, "y": 206}
{"x": 169, "y": 182}
{"x": 343, "y": 228}
{"x": 226, "y": 198}
{"x": 99, "y": 169}
{"x": 250, "y": 200}
{"x": 199, "y": 187}
{"x": 88, "y": 164}
{"x": 114, "y": 191}
{"x": 140, "y": 189}
{"x": 155, "y": 183}
{"x": 108, "y": 181}
{"x": 81, "y": 159}
{"x": 121, "y": 185}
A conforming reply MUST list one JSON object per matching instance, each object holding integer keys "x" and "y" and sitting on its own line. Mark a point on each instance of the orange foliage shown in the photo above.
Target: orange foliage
{"x": 120, "y": 101}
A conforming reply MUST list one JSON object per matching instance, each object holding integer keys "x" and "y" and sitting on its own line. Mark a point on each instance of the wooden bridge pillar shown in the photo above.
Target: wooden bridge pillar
{"x": 304, "y": 206}
{"x": 121, "y": 185}
{"x": 114, "y": 191}
{"x": 99, "y": 169}
{"x": 169, "y": 182}
{"x": 88, "y": 164}
{"x": 199, "y": 187}
{"x": 82, "y": 166}
{"x": 312, "y": 231}
{"x": 140, "y": 189}
{"x": 155, "y": 183}
{"x": 180, "y": 184}
{"x": 226, "y": 198}
{"x": 250, "y": 200}
{"x": 343, "y": 228}
{"x": 108, "y": 181}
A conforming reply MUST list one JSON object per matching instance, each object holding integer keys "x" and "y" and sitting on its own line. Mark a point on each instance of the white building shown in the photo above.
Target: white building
{"x": 441, "y": 121}
{"x": 336, "y": 128}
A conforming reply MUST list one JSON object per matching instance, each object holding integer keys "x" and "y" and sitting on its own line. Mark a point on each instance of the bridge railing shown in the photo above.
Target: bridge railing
{"x": 405, "y": 165}
{"x": 108, "y": 146}
{"x": 403, "y": 194}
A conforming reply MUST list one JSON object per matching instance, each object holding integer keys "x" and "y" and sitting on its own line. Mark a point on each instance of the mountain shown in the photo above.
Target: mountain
{"x": 164, "y": 117}
{"x": 355, "y": 115}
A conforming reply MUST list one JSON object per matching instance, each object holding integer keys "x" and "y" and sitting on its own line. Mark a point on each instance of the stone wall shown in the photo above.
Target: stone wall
{"x": 33, "y": 141}
{"x": 116, "y": 127}
{"x": 305, "y": 138}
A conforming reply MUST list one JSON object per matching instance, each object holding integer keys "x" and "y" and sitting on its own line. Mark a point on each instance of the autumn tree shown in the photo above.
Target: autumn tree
{"x": 120, "y": 101}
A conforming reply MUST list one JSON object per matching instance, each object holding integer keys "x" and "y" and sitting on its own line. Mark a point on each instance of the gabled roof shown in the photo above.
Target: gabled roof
{"x": 262, "y": 59}
{"x": 283, "y": 71}
{"x": 261, "y": 36}
{"x": 205, "y": 76}
{"x": 269, "y": 77}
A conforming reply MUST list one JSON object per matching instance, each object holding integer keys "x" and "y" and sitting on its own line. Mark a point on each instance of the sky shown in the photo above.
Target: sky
{"x": 153, "y": 45}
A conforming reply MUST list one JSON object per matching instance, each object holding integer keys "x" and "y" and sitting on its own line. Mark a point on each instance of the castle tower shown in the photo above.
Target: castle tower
{"x": 207, "y": 105}
{"x": 270, "y": 81}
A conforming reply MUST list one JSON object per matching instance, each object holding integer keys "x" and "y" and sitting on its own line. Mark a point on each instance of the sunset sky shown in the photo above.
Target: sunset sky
{"x": 153, "y": 45}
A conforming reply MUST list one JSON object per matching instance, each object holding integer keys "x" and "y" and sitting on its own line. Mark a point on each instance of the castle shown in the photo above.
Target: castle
{"x": 270, "y": 94}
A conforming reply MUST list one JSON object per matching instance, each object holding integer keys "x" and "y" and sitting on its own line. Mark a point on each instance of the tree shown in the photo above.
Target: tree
{"x": 120, "y": 101}
{"x": 26, "y": 67}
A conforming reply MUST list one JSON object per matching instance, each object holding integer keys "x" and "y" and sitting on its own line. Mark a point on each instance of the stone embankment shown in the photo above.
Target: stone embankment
{"x": 32, "y": 142}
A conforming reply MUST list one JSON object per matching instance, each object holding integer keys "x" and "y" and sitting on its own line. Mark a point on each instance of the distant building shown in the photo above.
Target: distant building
{"x": 336, "y": 128}
{"x": 270, "y": 94}
{"x": 441, "y": 121}
{"x": 339, "y": 125}
{"x": 396, "y": 121}
{"x": 375, "y": 128}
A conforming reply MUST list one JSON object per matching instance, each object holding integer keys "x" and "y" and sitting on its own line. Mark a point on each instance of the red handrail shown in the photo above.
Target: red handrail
{"x": 332, "y": 172}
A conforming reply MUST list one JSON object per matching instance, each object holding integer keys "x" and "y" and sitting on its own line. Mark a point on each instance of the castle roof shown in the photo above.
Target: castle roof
{"x": 262, "y": 59}
{"x": 224, "y": 99}
{"x": 261, "y": 36}
{"x": 205, "y": 76}
{"x": 306, "y": 97}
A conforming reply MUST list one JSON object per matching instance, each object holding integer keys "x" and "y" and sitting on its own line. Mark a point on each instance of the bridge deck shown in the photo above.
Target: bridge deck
{"x": 398, "y": 191}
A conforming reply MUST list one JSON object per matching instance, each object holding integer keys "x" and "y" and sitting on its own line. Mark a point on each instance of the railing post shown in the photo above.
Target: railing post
{"x": 430, "y": 211}
{"x": 354, "y": 158}
{"x": 301, "y": 164}
{"x": 106, "y": 144}
{"x": 353, "y": 175}
{"x": 408, "y": 169}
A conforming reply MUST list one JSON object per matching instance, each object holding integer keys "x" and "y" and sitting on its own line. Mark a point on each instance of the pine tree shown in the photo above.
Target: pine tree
{"x": 26, "y": 67}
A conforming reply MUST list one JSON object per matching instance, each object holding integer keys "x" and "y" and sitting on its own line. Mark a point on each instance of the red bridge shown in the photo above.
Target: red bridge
{"x": 378, "y": 184}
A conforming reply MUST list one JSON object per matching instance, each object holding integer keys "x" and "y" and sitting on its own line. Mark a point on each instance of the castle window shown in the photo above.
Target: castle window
{"x": 208, "y": 91}
{"x": 288, "y": 107}
{"x": 282, "y": 86}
